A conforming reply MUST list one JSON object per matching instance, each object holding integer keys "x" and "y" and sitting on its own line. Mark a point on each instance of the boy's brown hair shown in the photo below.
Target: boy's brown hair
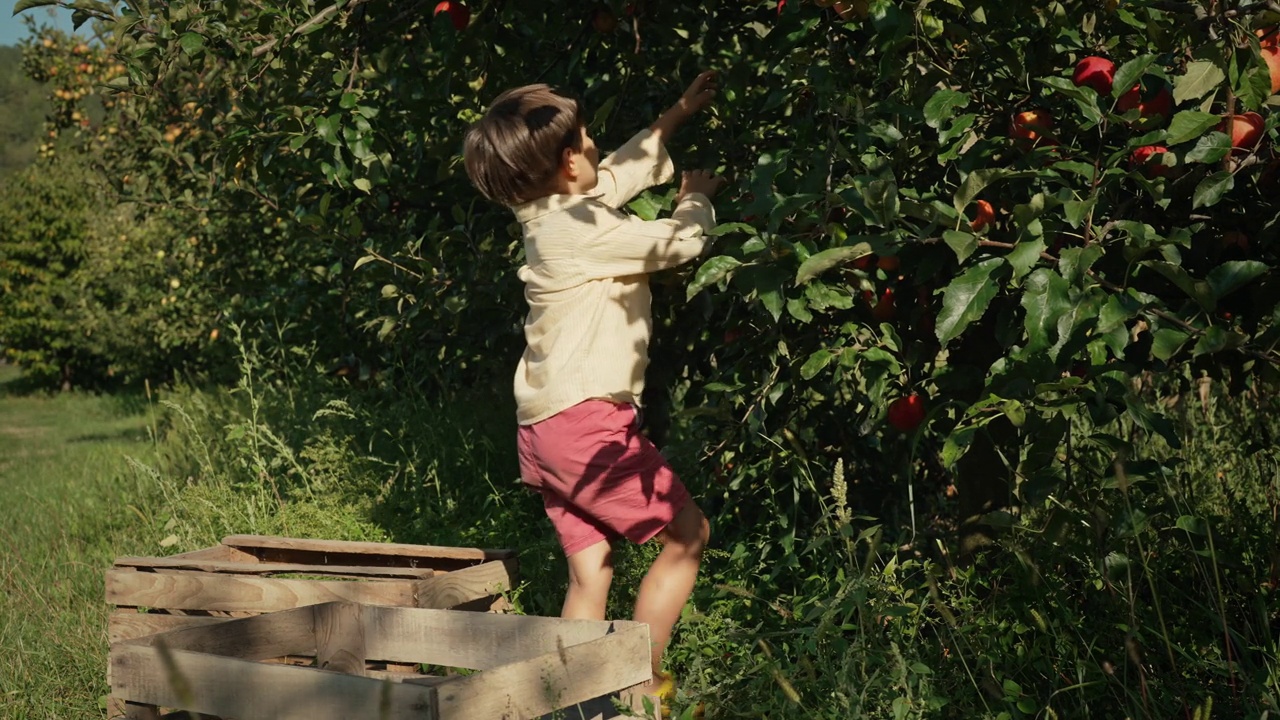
{"x": 513, "y": 153}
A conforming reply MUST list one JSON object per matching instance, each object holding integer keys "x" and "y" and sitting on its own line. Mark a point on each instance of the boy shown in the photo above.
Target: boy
{"x": 579, "y": 382}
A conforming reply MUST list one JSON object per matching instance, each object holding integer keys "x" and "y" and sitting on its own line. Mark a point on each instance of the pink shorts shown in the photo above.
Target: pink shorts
{"x": 600, "y": 479}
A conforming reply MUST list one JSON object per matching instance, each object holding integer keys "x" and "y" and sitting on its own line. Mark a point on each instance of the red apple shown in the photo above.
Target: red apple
{"x": 458, "y": 13}
{"x": 986, "y": 215}
{"x": 1031, "y": 125}
{"x": 1151, "y": 106}
{"x": 1141, "y": 158}
{"x": 1268, "y": 37}
{"x": 906, "y": 413}
{"x": 1272, "y": 56}
{"x": 885, "y": 309}
{"x": 604, "y": 21}
{"x": 864, "y": 262}
{"x": 1235, "y": 238}
{"x": 889, "y": 263}
{"x": 1096, "y": 72}
{"x": 1246, "y": 130}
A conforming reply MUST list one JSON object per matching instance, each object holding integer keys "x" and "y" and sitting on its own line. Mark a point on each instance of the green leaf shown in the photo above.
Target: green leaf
{"x": 1024, "y": 256}
{"x": 192, "y": 43}
{"x": 363, "y": 184}
{"x": 1193, "y": 525}
{"x": 821, "y": 262}
{"x": 816, "y": 363}
{"x": 1045, "y": 298}
{"x": 978, "y": 180}
{"x": 881, "y": 198}
{"x": 957, "y": 444}
{"x": 1197, "y": 290}
{"x": 966, "y": 298}
{"x": 1231, "y": 276}
{"x": 1166, "y": 342}
{"x": 962, "y": 243}
{"x": 1129, "y": 73}
{"x": 1217, "y": 339}
{"x": 1077, "y": 210}
{"x": 733, "y": 227}
{"x": 1016, "y": 413}
{"x": 646, "y": 208}
{"x": 1210, "y": 148}
{"x": 1189, "y": 125}
{"x": 1211, "y": 189}
{"x": 712, "y": 271}
{"x": 1074, "y": 263}
{"x": 1117, "y": 310}
{"x": 1199, "y": 80}
{"x": 942, "y": 106}
{"x": 28, "y": 4}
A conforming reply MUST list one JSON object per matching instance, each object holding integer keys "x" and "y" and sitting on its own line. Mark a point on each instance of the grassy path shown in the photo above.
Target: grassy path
{"x": 69, "y": 503}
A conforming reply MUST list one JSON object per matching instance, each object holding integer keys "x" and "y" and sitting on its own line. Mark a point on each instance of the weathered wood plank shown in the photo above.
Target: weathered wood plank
{"x": 263, "y": 568}
{"x": 217, "y": 552}
{"x": 246, "y": 690}
{"x": 129, "y": 624}
{"x": 261, "y": 637}
{"x": 399, "y": 677}
{"x": 205, "y": 591}
{"x": 366, "y": 548}
{"x": 569, "y": 675}
{"x": 339, "y": 637}
{"x": 475, "y": 641}
{"x": 466, "y": 585}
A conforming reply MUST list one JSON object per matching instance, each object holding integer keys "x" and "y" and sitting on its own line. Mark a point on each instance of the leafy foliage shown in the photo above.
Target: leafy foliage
{"x": 925, "y": 204}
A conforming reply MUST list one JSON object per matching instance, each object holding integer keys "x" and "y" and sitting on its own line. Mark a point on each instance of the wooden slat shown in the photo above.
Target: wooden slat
{"x": 461, "y": 586}
{"x": 128, "y": 624}
{"x": 366, "y": 548}
{"x": 261, "y": 568}
{"x": 399, "y": 677}
{"x": 217, "y": 552}
{"x": 204, "y": 591}
{"x": 475, "y": 641}
{"x": 246, "y": 690}
{"x": 339, "y": 637}
{"x": 571, "y": 674}
{"x": 288, "y": 632}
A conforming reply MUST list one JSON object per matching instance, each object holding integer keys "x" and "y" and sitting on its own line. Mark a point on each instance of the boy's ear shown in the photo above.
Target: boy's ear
{"x": 569, "y": 164}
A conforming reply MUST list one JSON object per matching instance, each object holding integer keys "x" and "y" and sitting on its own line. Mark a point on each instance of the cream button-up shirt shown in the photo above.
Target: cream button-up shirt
{"x": 586, "y": 282}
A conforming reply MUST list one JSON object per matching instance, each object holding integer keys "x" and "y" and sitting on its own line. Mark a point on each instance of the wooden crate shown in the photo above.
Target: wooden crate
{"x": 248, "y": 575}
{"x": 253, "y": 574}
{"x": 526, "y": 667}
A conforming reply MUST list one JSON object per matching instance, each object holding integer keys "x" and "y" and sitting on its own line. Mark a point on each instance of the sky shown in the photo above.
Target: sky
{"x": 13, "y": 29}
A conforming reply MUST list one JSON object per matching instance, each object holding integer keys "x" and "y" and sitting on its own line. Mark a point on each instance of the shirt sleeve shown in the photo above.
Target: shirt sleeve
{"x": 638, "y": 246}
{"x": 640, "y": 163}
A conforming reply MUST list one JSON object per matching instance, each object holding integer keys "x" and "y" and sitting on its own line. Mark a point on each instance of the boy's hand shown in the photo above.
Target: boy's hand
{"x": 700, "y": 181}
{"x": 700, "y": 93}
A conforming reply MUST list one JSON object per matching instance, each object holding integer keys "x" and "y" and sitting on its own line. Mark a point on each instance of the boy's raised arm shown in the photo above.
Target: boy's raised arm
{"x": 637, "y": 246}
{"x": 698, "y": 96}
{"x": 643, "y": 161}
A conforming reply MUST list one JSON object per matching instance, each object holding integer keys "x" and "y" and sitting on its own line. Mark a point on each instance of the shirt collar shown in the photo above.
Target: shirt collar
{"x": 549, "y": 204}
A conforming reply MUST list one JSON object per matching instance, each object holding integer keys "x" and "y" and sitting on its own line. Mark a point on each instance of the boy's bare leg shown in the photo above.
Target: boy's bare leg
{"x": 669, "y": 582}
{"x": 590, "y": 574}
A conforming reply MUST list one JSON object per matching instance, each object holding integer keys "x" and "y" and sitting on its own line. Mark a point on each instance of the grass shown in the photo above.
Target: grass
{"x": 1112, "y": 600}
{"x": 69, "y": 502}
